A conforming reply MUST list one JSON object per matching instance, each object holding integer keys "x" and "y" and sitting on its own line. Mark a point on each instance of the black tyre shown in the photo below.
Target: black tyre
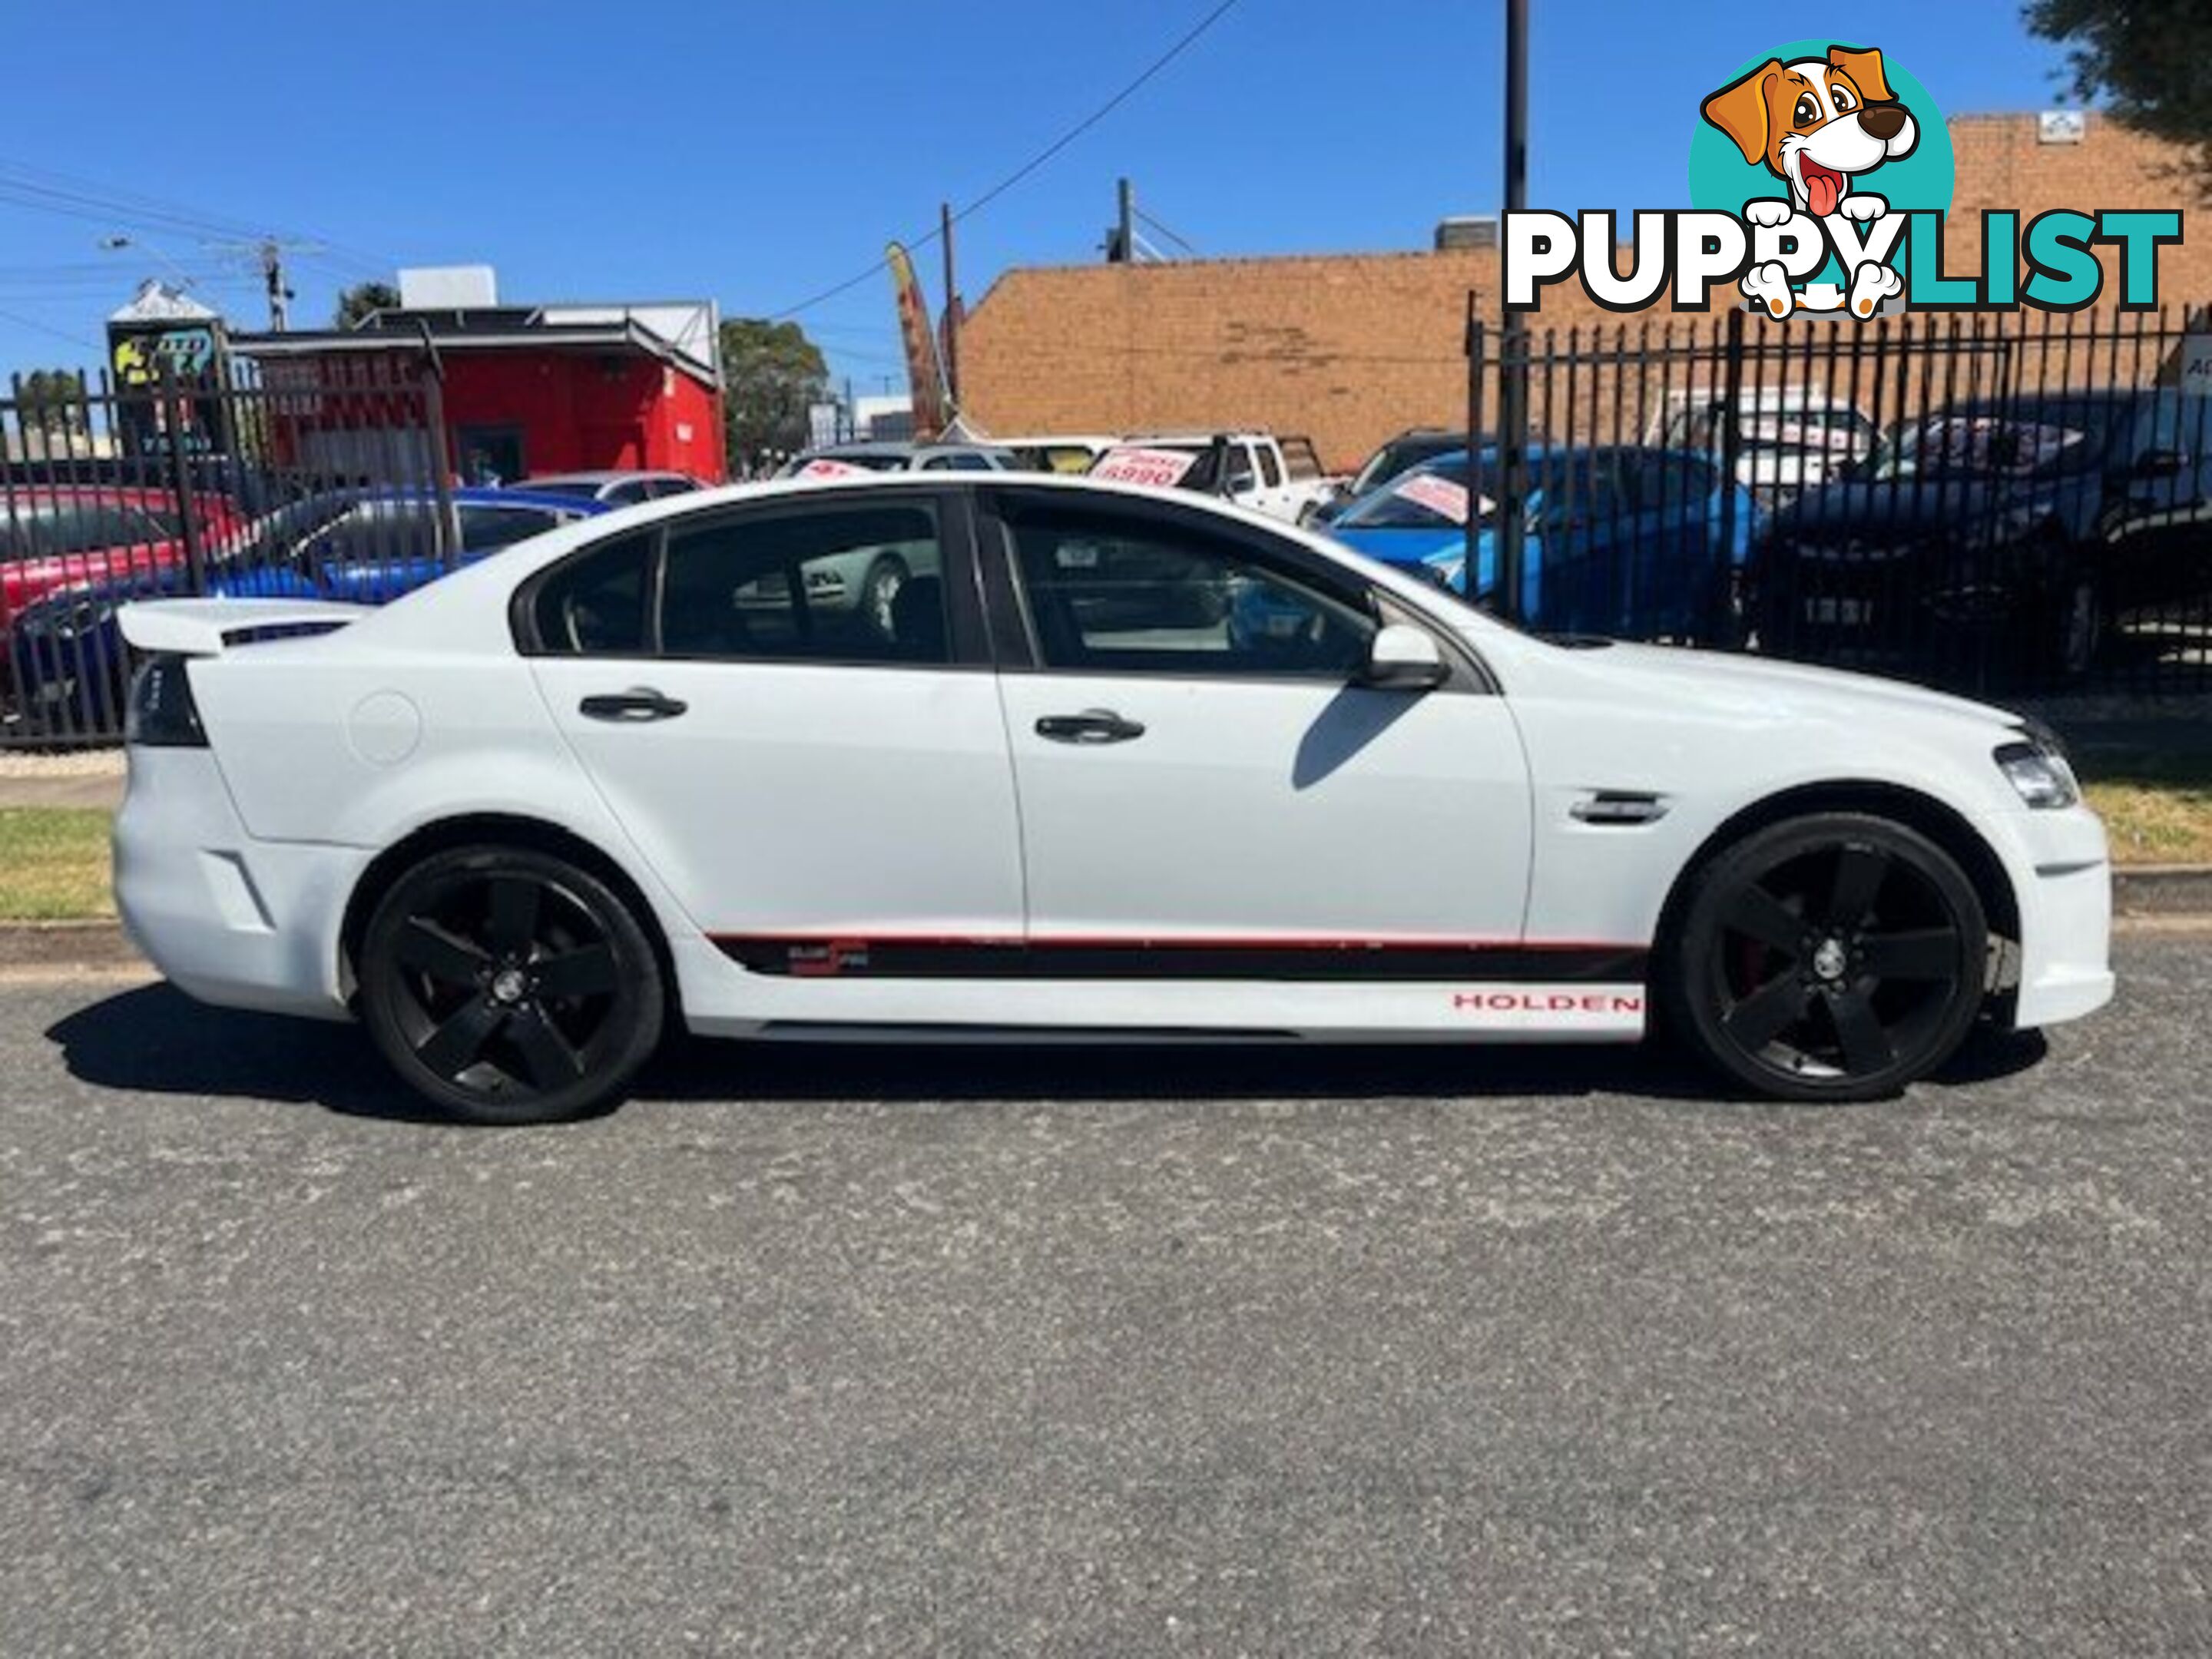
{"x": 1828, "y": 958}
{"x": 507, "y": 986}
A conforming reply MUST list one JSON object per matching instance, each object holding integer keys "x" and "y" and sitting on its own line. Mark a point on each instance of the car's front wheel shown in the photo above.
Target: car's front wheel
{"x": 1829, "y": 958}
{"x": 507, "y": 986}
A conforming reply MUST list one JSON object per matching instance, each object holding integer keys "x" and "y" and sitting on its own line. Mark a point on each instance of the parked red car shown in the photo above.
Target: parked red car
{"x": 61, "y": 536}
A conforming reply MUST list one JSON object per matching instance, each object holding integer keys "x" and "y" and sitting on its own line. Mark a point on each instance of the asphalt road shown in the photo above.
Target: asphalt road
{"x": 1128, "y": 1352}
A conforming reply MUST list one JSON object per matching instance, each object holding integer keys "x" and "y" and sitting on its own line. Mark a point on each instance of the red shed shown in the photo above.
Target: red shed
{"x": 527, "y": 389}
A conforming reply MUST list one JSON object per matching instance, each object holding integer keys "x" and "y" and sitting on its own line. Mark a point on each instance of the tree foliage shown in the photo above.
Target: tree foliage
{"x": 362, "y": 299}
{"x": 771, "y": 373}
{"x": 54, "y": 400}
{"x": 2144, "y": 61}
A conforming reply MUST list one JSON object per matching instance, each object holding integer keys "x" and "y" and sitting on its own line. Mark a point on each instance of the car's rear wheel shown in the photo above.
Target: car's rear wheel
{"x": 507, "y": 986}
{"x": 1829, "y": 958}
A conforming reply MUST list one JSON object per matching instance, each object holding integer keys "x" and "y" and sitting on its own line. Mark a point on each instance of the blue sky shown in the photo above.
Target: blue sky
{"x": 757, "y": 154}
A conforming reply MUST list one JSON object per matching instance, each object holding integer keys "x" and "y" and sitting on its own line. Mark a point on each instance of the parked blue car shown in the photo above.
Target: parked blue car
{"x": 1623, "y": 541}
{"x": 365, "y": 546}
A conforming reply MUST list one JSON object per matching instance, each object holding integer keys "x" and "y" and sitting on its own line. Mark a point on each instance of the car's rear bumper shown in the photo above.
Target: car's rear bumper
{"x": 229, "y": 920}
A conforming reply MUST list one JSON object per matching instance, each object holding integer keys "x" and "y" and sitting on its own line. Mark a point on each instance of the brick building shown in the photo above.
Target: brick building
{"x": 1352, "y": 348}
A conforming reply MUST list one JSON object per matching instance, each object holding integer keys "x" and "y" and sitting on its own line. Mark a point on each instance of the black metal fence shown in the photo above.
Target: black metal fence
{"x": 315, "y": 479}
{"x": 1980, "y": 502}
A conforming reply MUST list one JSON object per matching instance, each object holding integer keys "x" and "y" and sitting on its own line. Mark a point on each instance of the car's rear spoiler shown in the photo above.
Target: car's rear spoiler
{"x": 203, "y": 627}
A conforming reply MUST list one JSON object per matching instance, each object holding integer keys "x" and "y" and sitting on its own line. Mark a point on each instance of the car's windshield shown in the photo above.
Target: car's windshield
{"x": 1838, "y": 431}
{"x": 2032, "y": 441}
{"x": 1433, "y": 496}
{"x": 1397, "y": 457}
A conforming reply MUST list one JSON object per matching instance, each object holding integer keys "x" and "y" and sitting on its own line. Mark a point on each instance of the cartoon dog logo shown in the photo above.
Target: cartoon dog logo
{"x": 1819, "y": 125}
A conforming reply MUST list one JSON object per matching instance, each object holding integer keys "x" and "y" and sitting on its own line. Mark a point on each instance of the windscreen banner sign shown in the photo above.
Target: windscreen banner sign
{"x": 1821, "y": 177}
{"x": 1163, "y": 469}
{"x": 1443, "y": 497}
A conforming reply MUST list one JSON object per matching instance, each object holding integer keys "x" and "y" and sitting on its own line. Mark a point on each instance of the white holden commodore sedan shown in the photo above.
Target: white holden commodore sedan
{"x": 1109, "y": 764}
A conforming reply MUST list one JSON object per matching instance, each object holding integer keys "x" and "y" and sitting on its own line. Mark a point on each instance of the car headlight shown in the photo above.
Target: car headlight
{"x": 2037, "y": 768}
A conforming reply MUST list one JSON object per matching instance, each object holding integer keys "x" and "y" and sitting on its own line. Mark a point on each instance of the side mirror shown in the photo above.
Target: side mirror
{"x": 1403, "y": 659}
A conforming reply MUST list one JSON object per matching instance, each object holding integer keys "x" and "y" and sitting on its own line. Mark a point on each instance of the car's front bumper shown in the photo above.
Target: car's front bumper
{"x": 229, "y": 920}
{"x": 2061, "y": 875}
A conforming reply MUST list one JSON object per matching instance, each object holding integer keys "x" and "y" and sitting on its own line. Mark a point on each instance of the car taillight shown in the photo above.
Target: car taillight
{"x": 163, "y": 714}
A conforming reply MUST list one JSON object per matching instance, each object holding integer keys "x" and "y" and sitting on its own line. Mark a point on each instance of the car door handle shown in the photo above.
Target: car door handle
{"x": 1092, "y": 726}
{"x": 635, "y": 707}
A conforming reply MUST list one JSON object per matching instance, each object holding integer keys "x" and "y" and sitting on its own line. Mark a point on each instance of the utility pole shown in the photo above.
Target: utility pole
{"x": 1513, "y": 343}
{"x": 272, "y": 276}
{"x": 951, "y": 305}
{"x": 1125, "y": 230}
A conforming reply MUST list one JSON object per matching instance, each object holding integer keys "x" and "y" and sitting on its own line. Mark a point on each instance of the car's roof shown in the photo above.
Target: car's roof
{"x": 2032, "y": 400}
{"x": 30, "y": 494}
{"x": 1803, "y": 399}
{"x": 598, "y": 476}
{"x": 1226, "y": 434}
{"x": 1566, "y": 451}
{"x": 461, "y": 496}
{"x": 523, "y": 495}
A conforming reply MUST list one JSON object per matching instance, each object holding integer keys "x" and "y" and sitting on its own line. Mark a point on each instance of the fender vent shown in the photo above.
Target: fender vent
{"x": 1621, "y": 807}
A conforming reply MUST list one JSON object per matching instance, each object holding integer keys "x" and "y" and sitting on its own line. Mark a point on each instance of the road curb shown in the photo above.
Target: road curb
{"x": 89, "y": 946}
{"x": 2163, "y": 890}
{"x": 2148, "y": 889}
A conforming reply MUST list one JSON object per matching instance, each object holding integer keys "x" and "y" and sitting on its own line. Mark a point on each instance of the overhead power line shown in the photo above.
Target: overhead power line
{"x": 1165, "y": 231}
{"x": 22, "y": 321}
{"x": 1187, "y": 41}
{"x": 44, "y": 191}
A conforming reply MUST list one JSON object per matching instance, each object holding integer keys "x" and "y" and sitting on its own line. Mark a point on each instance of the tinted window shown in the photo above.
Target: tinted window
{"x": 33, "y": 530}
{"x": 486, "y": 527}
{"x": 1673, "y": 484}
{"x": 1573, "y": 489}
{"x": 671, "y": 486}
{"x": 849, "y": 585}
{"x": 1400, "y": 455}
{"x": 379, "y": 530}
{"x": 1270, "y": 471}
{"x": 628, "y": 494}
{"x": 594, "y": 606}
{"x": 1110, "y": 594}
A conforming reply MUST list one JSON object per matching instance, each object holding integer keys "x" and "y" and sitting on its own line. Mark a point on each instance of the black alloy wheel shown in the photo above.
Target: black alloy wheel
{"x": 507, "y": 986}
{"x": 1830, "y": 958}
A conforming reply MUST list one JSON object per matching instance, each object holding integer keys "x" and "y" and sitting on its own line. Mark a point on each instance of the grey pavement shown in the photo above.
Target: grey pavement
{"x": 1068, "y": 1351}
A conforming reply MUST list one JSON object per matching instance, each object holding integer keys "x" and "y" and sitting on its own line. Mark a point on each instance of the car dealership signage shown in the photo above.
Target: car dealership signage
{"x": 1822, "y": 176}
